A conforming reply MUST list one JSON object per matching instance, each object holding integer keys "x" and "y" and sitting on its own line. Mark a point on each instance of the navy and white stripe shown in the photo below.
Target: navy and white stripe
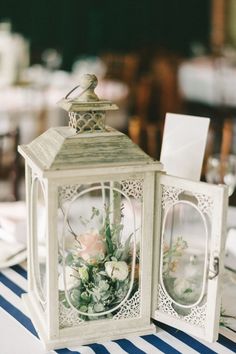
{"x": 18, "y": 336}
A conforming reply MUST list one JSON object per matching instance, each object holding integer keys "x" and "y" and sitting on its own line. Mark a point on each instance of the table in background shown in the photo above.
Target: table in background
{"x": 33, "y": 106}
{"x": 208, "y": 88}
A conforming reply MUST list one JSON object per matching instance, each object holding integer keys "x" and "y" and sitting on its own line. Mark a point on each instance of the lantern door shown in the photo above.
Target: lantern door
{"x": 188, "y": 259}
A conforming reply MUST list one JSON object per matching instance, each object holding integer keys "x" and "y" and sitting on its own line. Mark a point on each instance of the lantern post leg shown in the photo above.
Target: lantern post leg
{"x": 52, "y": 261}
{"x": 146, "y": 243}
{"x": 28, "y": 183}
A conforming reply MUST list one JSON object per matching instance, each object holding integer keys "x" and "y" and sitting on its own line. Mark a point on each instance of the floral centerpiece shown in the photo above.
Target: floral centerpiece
{"x": 100, "y": 269}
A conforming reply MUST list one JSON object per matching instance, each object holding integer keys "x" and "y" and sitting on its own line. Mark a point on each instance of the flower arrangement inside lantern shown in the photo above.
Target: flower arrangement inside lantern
{"x": 99, "y": 254}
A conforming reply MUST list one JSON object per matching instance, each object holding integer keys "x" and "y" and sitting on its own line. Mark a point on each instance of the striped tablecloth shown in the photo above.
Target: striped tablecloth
{"x": 18, "y": 336}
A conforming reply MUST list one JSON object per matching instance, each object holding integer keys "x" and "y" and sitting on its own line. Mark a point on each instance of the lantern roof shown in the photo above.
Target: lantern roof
{"x": 60, "y": 148}
{"x": 87, "y": 142}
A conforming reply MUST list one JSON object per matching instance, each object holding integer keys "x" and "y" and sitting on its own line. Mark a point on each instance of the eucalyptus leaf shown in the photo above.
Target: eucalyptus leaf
{"x": 75, "y": 297}
{"x": 103, "y": 285}
{"x": 96, "y": 296}
{"x": 105, "y": 296}
{"x": 99, "y": 307}
{"x": 69, "y": 259}
{"x": 83, "y": 308}
{"x": 85, "y": 296}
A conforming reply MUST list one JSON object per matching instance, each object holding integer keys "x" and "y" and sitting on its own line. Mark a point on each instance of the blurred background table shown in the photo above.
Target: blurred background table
{"x": 208, "y": 86}
{"x": 32, "y": 105}
{"x": 30, "y": 108}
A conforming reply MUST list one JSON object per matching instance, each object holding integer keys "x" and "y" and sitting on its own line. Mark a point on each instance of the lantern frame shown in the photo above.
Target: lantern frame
{"x": 48, "y": 328}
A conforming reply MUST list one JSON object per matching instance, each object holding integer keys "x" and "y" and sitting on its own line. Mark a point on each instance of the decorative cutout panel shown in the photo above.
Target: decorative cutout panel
{"x": 87, "y": 121}
{"x": 196, "y": 317}
{"x": 130, "y": 309}
{"x": 68, "y": 317}
{"x": 170, "y": 195}
{"x": 67, "y": 192}
{"x": 133, "y": 188}
{"x": 205, "y": 203}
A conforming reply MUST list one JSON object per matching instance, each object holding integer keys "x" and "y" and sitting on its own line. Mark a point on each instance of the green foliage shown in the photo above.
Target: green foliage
{"x": 171, "y": 255}
{"x": 100, "y": 290}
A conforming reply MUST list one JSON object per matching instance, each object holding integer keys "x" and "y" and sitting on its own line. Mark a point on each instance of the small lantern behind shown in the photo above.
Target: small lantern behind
{"x": 90, "y": 197}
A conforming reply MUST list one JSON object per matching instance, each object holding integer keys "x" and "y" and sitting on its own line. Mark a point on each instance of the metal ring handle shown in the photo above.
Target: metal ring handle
{"x": 68, "y": 94}
{"x": 82, "y": 92}
{"x": 216, "y": 266}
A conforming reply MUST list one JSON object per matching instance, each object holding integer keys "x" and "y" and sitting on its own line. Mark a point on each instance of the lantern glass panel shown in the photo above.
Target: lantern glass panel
{"x": 187, "y": 273}
{"x": 39, "y": 239}
{"x": 185, "y": 254}
{"x": 99, "y": 250}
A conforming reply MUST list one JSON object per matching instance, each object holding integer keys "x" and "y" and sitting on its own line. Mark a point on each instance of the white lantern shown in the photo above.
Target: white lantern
{"x": 109, "y": 240}
{"x": 90, "y": 196}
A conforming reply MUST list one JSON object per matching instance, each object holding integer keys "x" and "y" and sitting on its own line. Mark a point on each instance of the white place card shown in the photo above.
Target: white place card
{"x": 183, "y": 145}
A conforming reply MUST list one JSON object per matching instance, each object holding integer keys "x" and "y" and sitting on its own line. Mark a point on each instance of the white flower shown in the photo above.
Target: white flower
{"x": 181, "y": 285}
{"x": 187, "y": 289}
{"x": 117, "y": 270}
{"x": 71, "y": 279}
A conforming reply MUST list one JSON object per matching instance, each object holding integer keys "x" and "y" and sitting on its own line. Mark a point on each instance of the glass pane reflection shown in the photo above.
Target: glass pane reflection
{"x": 184, "y": 254}
{"x": 39, "y": 226}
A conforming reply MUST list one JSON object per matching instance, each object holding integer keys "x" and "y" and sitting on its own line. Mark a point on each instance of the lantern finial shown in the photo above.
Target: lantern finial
{"x": 87, "y": 83}
{"x": 86, "y": 110}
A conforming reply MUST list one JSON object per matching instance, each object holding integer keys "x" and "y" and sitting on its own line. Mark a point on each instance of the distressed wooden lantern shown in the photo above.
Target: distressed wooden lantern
{"x": 124, "y": 241}
{"x": 90, "y": 196}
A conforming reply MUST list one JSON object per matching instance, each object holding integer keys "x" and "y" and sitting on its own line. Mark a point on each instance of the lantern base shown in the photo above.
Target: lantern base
{"x": 100, "y": 337}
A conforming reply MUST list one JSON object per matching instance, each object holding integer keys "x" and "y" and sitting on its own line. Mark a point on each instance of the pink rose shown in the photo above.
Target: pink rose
{"x": 92, "y": 247}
